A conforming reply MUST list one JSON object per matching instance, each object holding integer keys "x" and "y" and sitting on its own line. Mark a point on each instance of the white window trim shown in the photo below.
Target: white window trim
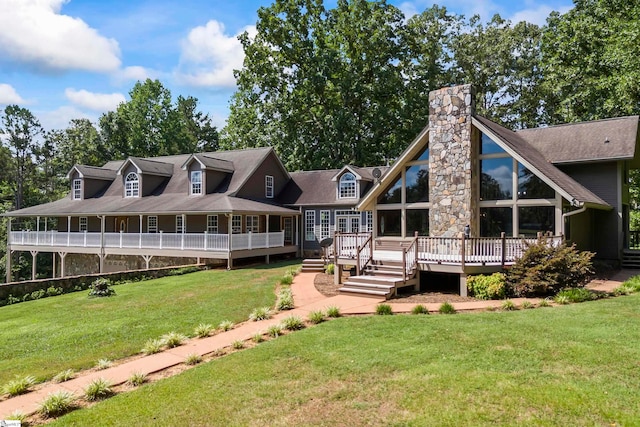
{"x": 195, "y": 185}
{"x": 310, "y": 225}
{"x": 325, "y": 224}
{"x": 356, "y": 187}
{"x": 77, "y": 189}
{"x": 152, "y": 224}
{"x": 132, "y": 187}
{"x": 211, "y": 227}
{"x": 83, "y": 224}
{"x": 268, "y": 186}
{"x": 236, "y": 224}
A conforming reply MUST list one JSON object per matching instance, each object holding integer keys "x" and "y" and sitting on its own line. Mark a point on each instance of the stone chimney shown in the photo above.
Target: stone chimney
{"x": 451, "y": 191}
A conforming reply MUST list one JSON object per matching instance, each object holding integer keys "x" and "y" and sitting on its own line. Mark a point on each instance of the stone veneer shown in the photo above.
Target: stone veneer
{"x": 450, "y": 161}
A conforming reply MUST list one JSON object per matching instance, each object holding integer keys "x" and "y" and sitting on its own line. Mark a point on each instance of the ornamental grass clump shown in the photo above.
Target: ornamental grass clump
{"x": 137, "y": 379}
{"x": 260, "y": 313}
{"x": 63, "y": 376}
{"x": 333, "y": 311}
{"x": 173, "y": 339}
{"x": 226, "y": 325}
{"x": 287, "y": 279}
{"x": 446, "y": 308}
{"x": 57, "y": 403}
{"x": 237, "y": 345}
{"x": 19, "y": 386}
{"x": 98, "y": 389}
{"x": 384, "y": 310}
{"x": 192, "y": 359}
{"x": 316, "y": 316}
{"x": 630, "y": 286}
{"x": 152, "y": 346}
{"x": 285, "y": 300}
{"x": 575, "y": 295}
{"x": 508, "y": 305}
{"x": 274, "y": 331}
{"x": 419, "y": 309}
{"x": 526, "y": 305}
{"x": 203, "y": 330}
{"x": 103, "y": 364}
{"x": 292, "y": 323}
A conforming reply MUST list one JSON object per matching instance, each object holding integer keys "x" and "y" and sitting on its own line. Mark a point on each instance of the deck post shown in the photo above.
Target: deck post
{"x": 463, "y": 284}
{"x": 504, "y": 248}
{"x": 8, "y": 257}
{"x": 53, "y": 266}
{"x": 63, "y": 255}
{"x": 462, "y": 252}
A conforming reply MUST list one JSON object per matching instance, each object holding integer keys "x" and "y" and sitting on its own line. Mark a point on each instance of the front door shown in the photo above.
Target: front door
{"x": 287, "y": 226}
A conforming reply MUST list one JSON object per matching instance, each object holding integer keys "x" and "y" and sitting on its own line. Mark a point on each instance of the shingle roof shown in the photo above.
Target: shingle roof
{"x": 526, "y": 153}
{"x": 586, "y": 141}
{"x": 150, "y": 167}
{"x": 211, "y": 163}
{"x": 94, "y": 172}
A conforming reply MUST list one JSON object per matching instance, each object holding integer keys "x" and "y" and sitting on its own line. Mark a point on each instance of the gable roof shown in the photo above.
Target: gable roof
{"x": 598, "y": 140}
{"x": 533, "y": 160}
{"x": 148, "y": 166}
{"x": 93, "y": 172}
{"x": 361, "y": 174}
{"x": 209, "y": 163}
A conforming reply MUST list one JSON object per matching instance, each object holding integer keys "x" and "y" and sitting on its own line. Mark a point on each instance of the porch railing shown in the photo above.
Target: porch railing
{"x": 410, "y": 259}
{"x": 172, "y": 241}
{"x": 364, "y": 254}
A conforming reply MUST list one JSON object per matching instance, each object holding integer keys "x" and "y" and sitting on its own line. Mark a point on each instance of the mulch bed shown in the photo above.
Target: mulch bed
{"x": 324, "y": 284}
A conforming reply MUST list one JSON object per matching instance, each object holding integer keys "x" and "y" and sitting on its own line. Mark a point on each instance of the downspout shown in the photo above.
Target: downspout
{"x": 568, "y": 214}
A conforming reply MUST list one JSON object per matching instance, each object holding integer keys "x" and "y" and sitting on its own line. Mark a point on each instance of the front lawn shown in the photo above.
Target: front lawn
{"x": 569, "y": 365}
{"x": 44, "y": 337}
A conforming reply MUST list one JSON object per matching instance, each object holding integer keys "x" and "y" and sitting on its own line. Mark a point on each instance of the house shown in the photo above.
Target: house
{"x": 464, "y": 197}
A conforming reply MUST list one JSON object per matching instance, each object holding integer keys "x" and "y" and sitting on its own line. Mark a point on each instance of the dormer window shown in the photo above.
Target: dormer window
{"x": 196, "y": 182}
{"x": 268, "y": 187}
{"x": 132, "y": 185}
{"x": 347, "y": 186}
{"x": 77, "y": 189}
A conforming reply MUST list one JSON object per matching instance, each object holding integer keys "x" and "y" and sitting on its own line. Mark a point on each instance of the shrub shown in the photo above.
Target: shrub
{"x": 19, "y": 386}
{"x": 544, "y": 269}
{"x": 103, "y": 364}
{"x": 576, "y": 294}
{"x": 203, "y": 330}
{"x": 544, "y": 303}
{"x": 57, "y": 403}
{"x": 419, "y": 309}
{"x": 330, "y": 269}
{"x": 63, "y": 376}
{"x": 173, "y": 339}
{"x": 137, "y": 379}
{"x": 41, "y": 293}
{"x": 237, "y": 345}
{"x": 260, "y": 313}
{"x": 258, "y": 338}
{"x": 526, "y": 305}
{"x": 384, "y": 310}
{"x": 192, "y": 359}
{"x": 12, "y": 300}
{"x": 53, "y": 291}
{"x": 287, "y": 279}
{"x": 333, "y": 311}
{"x": 98, "y": 389}
{"x": 274, "y": 331}
{"x": 285, "y": 300}
{"x": 487, "y": 287}
{"x": 152, "y": 346}
{"x": 561, "y": 299}
{"x": 101, "y": 287}
{"x": 292, "y": 323}
{"x": 446, "y": 308}
{"x": 316, "y": 317}
{"x": 17, "y": 416}
{"x": 226, "y": 325}
{"x": 508, "y": 305}
{"x": 628, "y": 287}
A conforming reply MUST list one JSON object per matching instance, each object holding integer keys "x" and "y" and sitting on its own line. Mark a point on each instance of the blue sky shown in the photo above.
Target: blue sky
{"x": 66, "y": 59}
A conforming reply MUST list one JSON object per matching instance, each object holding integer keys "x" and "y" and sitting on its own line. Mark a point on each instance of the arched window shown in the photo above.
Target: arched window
{"x": 347, "y": 188}
{"x": 132, "y": 185}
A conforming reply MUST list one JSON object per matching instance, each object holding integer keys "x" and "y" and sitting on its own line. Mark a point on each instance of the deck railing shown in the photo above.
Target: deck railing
{"x": 170, "y": 241}
{"x": 410, "y": 259}
{"x": 364, "y": 254}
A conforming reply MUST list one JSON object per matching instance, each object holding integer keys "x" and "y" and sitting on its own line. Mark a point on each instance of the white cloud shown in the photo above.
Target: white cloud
{"x": 134, "y": 73}
{"x": 60, "y": 117}
{"x": 94, "y": 101}
{"x": 36, "y": 33}
{"x": 408, "y": 9}
{"x": 536, "y": 15}
{"x": 209, "y": 56}
{"x": 8, "y": 95}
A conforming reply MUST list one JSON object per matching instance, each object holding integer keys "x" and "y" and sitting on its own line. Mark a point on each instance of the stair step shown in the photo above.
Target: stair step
{"x": 365, "y": 292}
{"x": 367, "y": 285}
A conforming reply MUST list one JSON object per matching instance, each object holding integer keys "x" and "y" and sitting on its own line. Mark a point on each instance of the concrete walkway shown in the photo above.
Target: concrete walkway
{"x": 306, "y": 298}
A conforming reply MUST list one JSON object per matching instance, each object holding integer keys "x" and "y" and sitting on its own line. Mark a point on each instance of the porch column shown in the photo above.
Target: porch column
{"x": 229, "y": 246}
{"x": 267, "y": 236}
{"x": 102, "y": 254}
{"x": 34, "y": 258}
{"x": 68, "y": 233}
{"x": 140, "y": 229}
{"x": 53, "y": 257}
{"x": 8, "y": 257}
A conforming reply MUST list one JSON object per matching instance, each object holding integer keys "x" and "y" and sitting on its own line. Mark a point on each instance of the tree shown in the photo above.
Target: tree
{"x": 20, "y": 132}
{"x": 149, "y": 124}
{"x": 324, "y": 87}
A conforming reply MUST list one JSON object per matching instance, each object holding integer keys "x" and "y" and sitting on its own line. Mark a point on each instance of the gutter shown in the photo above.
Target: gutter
{"x": 572, "y": 213}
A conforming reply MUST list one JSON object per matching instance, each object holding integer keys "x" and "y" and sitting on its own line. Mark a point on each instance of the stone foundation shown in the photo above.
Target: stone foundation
{"x": 80, "y": 264}
{"x": 450, "y": 161}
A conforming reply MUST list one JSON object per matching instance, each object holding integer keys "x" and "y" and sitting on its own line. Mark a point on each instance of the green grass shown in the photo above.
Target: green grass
{"x": 72, "y": 331}
{"x": 529, "y": 367}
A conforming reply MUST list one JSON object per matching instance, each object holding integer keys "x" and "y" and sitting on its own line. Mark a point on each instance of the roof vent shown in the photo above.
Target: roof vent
{"x": 606, "y": 140}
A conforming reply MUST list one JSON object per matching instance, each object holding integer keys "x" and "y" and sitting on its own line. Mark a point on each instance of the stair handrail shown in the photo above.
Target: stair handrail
{"x": 362, "y": 254}
{"x": 410, "y": 258}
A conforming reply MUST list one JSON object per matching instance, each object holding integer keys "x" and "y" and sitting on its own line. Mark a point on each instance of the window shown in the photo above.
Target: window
{"x": 348, "y": 221}
{"x": 77, "y": 189}
{"x": 496, "y": 181}
{"x": 417, "y": 183}
{"x": 389, "y": 223}
{"x": 236, "y": 224}
{"x": 494, "y": 221}
{"x": 369, "y": 221}
{"x": 417, "y": 220}
{"x": 180, "y": 224}
{"x": 532, "y": 187}
{"x": 534, "y": 219}
{"x": 325, "y": 224}
{"x": 82, "y": 223}
{"x": 310, "y": 225}
{"x": 393, "y": 193}
{"x": 347, "y": 185}
{"x": 152, "y": 224}
{"x": 268, "y": 186}
{"x": 212, "y": 224}
{"x": 132, "y": 185}
{"x": 196, "y": 182}
{"x": 253, "y": 224}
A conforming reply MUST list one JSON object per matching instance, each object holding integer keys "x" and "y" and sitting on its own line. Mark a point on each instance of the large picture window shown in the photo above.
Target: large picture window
{"x": 132, "y": 185}
{"x": 417, "y": 220}
{"x": 389, "y": 223}
{"x": 496, "y": 182}
{"x": 417, "y": 183}
{"x": 494, "y": 221}
{"x": 532, "y": 187}
{"x": 348, "y": 186}
{"x": 535, "y": 219}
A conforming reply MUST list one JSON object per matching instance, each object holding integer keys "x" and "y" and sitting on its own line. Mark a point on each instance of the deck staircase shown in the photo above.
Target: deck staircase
{"x": 381, "y": 278}
{"x": 631, "y": 258}
{"x": 313, "y": 265}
